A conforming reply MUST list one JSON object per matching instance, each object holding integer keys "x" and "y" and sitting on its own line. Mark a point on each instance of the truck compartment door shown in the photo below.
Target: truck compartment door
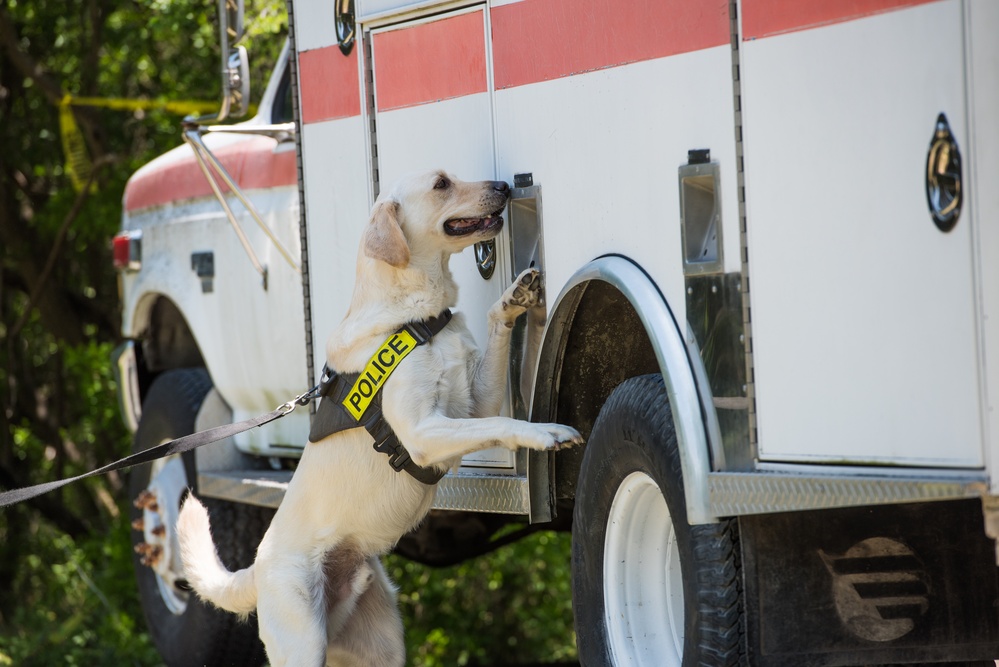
{"x": 863, "y": 307}
{"x": 433, "y": 110}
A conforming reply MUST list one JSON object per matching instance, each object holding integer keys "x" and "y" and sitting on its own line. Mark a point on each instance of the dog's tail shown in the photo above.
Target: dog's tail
{"x": 211, "y": 580}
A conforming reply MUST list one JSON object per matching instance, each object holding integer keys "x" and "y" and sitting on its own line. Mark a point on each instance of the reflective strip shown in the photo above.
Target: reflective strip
{"x": 430, "y": 62}
{"x": 330, "y": 87}
{"x": 764, "y": 18}
{"x": 541, "y": 40}
{"x": 379, "y": 367}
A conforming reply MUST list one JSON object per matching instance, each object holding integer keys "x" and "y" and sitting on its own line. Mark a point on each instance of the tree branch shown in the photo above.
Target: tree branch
{"x": 43, "y": 278}
{"x": 24, "y": 63}
{"x": 50, "y": 87}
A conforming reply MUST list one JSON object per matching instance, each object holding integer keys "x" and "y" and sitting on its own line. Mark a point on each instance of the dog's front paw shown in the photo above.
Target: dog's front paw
{"x": 556, "y": 436}
{"x": 525, "y": 292}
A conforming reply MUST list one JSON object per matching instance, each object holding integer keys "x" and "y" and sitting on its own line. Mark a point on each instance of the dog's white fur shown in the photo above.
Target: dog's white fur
{"x": 317, "y": 584}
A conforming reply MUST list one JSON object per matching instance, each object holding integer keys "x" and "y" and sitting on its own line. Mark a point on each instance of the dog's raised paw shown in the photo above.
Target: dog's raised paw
{"x": 525, "y": 292}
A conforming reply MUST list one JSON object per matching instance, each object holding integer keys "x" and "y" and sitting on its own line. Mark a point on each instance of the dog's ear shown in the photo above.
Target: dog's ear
{"x": 383, "y": 239}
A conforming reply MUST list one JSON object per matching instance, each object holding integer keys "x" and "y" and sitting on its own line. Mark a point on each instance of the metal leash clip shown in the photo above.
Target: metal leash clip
{"x": 301, "y": 399}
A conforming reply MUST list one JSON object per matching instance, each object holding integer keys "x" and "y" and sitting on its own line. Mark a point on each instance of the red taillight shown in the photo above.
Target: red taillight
{"x": 126, "y": 250}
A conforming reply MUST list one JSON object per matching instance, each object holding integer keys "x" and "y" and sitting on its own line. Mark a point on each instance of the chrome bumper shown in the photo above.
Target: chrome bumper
{"x": 126, "y": 375}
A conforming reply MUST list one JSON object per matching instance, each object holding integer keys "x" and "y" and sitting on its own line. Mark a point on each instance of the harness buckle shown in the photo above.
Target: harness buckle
{"x": 420, "y": 331}
{"x": 424, "y": 330}
{"x": 327, "y": 380}
{"x": 399, "y": 458}
{"x": 389, "y": 445}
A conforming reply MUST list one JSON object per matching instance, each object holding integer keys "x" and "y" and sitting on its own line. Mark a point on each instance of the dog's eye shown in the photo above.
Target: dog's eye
{"x": 441, "y": 183}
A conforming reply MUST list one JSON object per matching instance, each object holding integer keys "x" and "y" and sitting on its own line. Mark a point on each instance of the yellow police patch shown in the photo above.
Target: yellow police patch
{"x": 379, "y": 367}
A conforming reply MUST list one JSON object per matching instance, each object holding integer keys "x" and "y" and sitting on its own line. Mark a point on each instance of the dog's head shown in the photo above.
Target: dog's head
{"x": 433, "y": 213}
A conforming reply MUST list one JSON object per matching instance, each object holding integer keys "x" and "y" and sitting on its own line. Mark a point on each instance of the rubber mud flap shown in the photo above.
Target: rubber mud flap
{"x": 890, "y": 584}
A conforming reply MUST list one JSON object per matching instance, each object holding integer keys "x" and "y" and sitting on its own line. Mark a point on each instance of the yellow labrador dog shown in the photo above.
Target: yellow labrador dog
{"x": 317, "y": 585}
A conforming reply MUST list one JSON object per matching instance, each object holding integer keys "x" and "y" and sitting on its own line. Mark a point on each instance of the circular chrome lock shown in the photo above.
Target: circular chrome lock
{"x": 943, "y": 177}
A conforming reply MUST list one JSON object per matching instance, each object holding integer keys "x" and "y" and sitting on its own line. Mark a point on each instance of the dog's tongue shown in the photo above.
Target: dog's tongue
{"x": 463, "y": 225}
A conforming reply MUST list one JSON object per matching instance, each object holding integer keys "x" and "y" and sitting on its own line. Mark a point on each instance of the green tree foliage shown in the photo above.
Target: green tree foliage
{"x": 510, "y": 607}
{"x": 68, "y": 593}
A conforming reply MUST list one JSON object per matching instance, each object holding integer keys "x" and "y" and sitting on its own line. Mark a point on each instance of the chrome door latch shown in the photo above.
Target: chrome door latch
{"x": 943, "y": 177}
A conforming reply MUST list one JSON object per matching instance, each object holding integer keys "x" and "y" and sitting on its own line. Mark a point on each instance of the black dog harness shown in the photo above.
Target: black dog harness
{"x": 354, "y": 400}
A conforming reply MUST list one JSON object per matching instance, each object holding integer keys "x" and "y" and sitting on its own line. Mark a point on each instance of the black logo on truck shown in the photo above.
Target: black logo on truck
{"x": 879, "y": 588}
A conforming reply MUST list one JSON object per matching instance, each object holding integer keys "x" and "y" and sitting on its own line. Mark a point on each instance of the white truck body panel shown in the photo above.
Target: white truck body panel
{"x": 872, "y": 333}
{"x": 864, "y": 316}
{"x": 864, "y": 319}
{"x": 981, "y": 17}
{"x": 251, "y": 338}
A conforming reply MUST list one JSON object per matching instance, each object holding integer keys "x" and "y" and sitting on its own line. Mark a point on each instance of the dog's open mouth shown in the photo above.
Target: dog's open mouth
{"x": 465, "y": 226}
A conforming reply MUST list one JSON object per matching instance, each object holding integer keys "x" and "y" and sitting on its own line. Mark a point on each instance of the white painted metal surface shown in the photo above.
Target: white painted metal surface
{"x": 981, "y": 19}
{"x": 874, "y": 333}
{"x": 250, "y": 338}
{"x": 239, "y": 326}
{"x": 337, "y": 207}
{"x": 863, "y": 312}
{"x": 605, "y": 147}
{"x": 455, "y": 135}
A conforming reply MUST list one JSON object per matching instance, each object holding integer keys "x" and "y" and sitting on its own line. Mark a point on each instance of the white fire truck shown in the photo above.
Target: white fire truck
{"x": 769, "y": 232}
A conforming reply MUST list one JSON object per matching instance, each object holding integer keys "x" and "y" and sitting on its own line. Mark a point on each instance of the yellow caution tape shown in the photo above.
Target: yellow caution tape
{"x": 78, "y": 163}
{"x": 185, "y": 107}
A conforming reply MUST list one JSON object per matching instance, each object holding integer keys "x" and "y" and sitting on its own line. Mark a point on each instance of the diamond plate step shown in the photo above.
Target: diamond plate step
{"x": 488, "y": 492}
{"x": 737, "y": 494}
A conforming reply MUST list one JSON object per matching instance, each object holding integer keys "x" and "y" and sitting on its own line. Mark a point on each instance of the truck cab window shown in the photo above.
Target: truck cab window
{"x": 282, "y": 109}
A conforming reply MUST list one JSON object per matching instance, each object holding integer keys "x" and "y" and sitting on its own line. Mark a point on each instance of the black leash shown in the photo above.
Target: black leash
{"x": 386, "y": 441}
{"x": 178, "y": 446}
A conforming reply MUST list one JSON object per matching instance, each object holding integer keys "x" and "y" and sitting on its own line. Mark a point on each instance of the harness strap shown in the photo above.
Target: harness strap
{"x": 336, "y": 412}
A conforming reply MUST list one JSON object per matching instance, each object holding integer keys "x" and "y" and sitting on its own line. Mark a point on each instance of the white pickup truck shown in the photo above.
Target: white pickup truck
{"x": 769, "y": 234}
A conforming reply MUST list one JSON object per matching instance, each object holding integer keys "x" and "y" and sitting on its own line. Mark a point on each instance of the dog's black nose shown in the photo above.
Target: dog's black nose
{"x": 501, "y": 186}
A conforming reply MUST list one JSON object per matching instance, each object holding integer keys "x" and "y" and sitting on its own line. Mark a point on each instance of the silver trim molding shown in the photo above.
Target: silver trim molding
{"x": 126, "y": 374}
{"x": 739, "y": 494}
{"x": 504, "y": 494}
{"x": 265, "y": 488}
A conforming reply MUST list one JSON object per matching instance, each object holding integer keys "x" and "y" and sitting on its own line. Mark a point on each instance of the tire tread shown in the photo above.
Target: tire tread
{"x": 222, "y": 639}
{"x": 638, "y": 411}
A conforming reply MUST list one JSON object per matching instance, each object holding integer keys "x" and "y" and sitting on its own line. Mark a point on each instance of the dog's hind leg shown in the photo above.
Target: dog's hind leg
{"x": 290, "y": 613}
{"x": 372, "y": 635}
{"x": 347, "y": 574}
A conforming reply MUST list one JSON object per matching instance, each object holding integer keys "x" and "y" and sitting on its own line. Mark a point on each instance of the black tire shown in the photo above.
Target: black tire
{"x": 634, "y": 441}
{"x": 969, "y": 663}
{"x": 187, "y": 631}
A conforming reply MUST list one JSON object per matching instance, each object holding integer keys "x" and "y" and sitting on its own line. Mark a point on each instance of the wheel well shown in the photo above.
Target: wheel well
{"x": 167, "y": 340}
{"x": 604, "y": 343}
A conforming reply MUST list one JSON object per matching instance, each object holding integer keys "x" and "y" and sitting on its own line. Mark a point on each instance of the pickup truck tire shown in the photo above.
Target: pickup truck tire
{"x": 186, "y": 630}
{"x": 648, "y": 589}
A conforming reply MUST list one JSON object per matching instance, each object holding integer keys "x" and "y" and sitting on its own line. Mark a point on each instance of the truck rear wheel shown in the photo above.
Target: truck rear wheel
{"x": 186, "y": 630}
{"x": 648, "y": 589}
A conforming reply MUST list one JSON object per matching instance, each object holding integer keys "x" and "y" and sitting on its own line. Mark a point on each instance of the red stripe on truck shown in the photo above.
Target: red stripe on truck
{"x": 540, "y": 40}
{"x": 764, "y": 18}
{"x": 330, "y": 86}
{"x": 253, "y": 164}
{"x": 429, "y": 62}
